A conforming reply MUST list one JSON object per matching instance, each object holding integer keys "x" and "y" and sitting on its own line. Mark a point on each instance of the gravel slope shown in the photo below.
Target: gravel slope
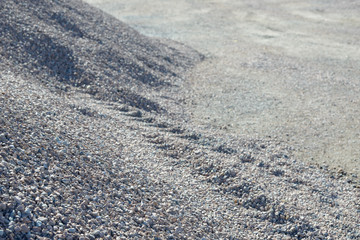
{"x": 279, "y": 68}
{"x": 94, "y": 144}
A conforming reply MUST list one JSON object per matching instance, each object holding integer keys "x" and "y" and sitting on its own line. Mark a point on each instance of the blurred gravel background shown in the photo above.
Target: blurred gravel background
{"x": 287, "y": 70}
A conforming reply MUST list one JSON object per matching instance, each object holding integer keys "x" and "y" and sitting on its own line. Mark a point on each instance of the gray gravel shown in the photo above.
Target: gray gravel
{"x": 279, "y": 68}
{"x": 94, "y": 143}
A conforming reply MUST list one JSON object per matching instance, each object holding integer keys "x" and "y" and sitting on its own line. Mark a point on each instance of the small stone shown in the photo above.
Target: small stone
{"x": 36, "y": 229}
{"x": 17, "y": 229}
{"x": 173, "y": 219}
{"x": 2, "y": 233}
{"x": 71, "y": 230}
{"x": 21, "y": 208}
{"x": 65, "y": 181}
{"x": 43, "y": 219}
{"x": 17, "y": 200}
{"x": 137, "y": 114}
{"x": 97, "y": 233}
{"x": 28, "y": 211}
{"x": 149, "y": 222}
{"x": 2, "y": 206}
{"x": 3, "y": 138}
{"x": 94, "y": 214}
{"x": 65, "y": 220}
{"x": 24, "y": 228}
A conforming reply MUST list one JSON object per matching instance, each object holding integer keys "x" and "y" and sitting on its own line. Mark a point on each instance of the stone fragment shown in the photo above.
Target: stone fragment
{"x": 3, "y": 138}
{"x": 24, "y": 228}
{"x": 20, "y": 208}
{"x": 2, "y": 206}
{"x": 17, "y": 200}
{"x": 17, "y": 229}
{"x": 42, "y": 219}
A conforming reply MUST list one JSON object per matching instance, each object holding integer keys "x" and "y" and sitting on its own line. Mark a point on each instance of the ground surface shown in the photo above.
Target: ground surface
{"x": 285, "y": 69}
{"x": 97, "y": 140}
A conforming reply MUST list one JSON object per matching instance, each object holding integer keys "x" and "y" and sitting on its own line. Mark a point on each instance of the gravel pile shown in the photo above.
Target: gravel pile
{"x": 93, "y": 144}
{"x": 66, "y": 47}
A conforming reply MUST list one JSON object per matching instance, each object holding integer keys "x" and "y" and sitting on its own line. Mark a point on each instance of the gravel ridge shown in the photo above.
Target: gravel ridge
{"x": 92, "y": 147}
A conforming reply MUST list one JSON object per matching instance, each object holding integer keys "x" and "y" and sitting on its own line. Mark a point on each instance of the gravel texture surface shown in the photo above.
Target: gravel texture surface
{"x": 95, "y": 144}
{"x": 279, "y": 68}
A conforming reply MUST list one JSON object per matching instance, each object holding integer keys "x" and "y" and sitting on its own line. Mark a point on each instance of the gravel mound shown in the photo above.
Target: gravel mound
{"x": 64, "y": 46}
{"x": 93, "y": 144}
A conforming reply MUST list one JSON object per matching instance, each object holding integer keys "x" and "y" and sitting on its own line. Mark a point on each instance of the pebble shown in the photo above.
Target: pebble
{"x": 24, "y": 228}
{"x": 98, "y": 233}
{"x": 38, "y": 223}
{"x": 28, "y": 211}
{"x": 3, "y": 138}
{"x": 20, "y": 208}
{"x": 17, "y": 200}
{"x": 2, "y": 206}
{"x": 42, "y": 219}
{"x": 17, "y": 229}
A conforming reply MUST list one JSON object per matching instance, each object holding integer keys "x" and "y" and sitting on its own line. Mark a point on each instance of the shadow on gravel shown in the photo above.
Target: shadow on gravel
{"x": 41, "y": 52}
{"x": 64, "y": 47}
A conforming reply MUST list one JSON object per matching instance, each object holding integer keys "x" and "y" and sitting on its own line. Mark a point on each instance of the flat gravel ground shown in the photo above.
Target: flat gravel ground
{"x": 281, "y": 69}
